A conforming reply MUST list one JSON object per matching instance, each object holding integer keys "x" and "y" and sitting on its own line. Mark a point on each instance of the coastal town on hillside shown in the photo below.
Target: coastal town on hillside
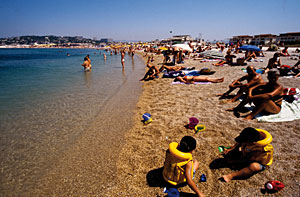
{"x": 50, "y": 41}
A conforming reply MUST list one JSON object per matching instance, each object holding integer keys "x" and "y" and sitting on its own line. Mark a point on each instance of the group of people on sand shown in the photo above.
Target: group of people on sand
{"x": 252, "y": 153}
{"x": 248, "y": 155}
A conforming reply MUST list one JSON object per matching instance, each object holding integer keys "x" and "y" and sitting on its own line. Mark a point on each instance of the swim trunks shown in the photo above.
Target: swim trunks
{"x": 123, "y": 60}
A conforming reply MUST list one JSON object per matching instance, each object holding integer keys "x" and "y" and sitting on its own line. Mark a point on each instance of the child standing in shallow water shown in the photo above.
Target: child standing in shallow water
{"x": 180, "y": 166}
{"x": 248, "y": 155}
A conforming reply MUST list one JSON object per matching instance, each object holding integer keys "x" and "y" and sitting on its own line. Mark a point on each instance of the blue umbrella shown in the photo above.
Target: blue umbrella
{"x": 249, "y": 48}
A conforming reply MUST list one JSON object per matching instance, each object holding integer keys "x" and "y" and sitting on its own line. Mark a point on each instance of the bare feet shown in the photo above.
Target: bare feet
{"x": 227, "y": 178}
{"x": 231, "y": 101}
{"x": 249, "y": 117}
{"x": 231, "y": 109}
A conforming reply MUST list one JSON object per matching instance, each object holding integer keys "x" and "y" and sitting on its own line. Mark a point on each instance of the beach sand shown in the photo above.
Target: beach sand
{"x": 142, "y": 157}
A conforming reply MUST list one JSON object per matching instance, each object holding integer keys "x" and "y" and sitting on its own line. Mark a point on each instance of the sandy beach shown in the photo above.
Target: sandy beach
{"x": 142, "y": 157}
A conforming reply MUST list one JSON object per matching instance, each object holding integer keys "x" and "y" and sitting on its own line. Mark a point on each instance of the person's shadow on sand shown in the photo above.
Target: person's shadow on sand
{"x": 155, "y": 179}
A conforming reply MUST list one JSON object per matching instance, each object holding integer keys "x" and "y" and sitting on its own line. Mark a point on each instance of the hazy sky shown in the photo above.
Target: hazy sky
{"x": 148, "y": 19}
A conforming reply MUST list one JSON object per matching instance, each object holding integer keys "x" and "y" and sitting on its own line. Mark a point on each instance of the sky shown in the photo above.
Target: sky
{"x": 148, "y": 20}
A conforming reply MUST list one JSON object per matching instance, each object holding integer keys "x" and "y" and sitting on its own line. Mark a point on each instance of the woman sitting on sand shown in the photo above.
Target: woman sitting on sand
{"x": 250, "y": 55}
{"x": 193, "y": 79}
{"x": 274, "y": 62}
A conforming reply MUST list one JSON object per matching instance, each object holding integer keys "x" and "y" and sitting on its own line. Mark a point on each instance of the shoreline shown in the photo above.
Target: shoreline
{"x": 88, "y": 166}
{"x": 142, "y": 157}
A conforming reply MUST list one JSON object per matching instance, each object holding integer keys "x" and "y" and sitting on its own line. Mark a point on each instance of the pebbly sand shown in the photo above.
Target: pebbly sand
{"x": 141, "y": 160}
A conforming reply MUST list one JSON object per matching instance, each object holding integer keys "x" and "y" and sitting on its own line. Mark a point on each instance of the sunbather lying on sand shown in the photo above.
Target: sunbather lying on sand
{"x": 193, "y": 79}
{"x": 174, "y": 68}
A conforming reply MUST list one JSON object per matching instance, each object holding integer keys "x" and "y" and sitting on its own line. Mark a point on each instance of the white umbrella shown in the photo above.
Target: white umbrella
{"x": 184, "y": 47}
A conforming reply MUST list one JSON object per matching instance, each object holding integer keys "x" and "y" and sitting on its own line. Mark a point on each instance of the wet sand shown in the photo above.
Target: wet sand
{"x": 142, "y": 156}
{"x": 88, "y": 166}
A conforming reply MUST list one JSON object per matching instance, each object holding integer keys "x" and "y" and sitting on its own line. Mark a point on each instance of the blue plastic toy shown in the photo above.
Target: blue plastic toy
{"x": 203, "y": 178}
{"x": 172, "y": 192}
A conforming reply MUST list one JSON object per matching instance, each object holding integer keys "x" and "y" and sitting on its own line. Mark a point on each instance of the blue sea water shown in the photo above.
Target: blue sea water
{"x": 47, "y": 101}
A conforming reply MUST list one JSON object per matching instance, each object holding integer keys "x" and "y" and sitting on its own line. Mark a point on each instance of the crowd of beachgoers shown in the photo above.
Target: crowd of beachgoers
{"x": 262, "y": 79}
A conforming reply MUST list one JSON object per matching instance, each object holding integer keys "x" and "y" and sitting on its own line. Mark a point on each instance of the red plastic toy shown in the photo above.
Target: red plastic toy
{"x": 274, "y": 185}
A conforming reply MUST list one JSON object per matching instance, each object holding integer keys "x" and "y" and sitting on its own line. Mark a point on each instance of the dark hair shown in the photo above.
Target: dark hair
{"x": 85, "y": 59}
{"x": 248, "y": 134}
{"x": 187, "y": 144}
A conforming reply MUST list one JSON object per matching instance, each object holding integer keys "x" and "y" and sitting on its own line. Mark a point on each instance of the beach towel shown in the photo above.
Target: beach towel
{"x": 209, "y": 60}
{"x": 289, "y": 110}
{"x": 179, "y": 82}
{"x": 173, "y": 74}
{"x": 259, "y": 71}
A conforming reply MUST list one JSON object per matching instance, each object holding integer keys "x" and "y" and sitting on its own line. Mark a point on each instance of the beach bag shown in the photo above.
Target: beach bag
{"x": 284, "y": 70}
{"x": 288, "y": 94}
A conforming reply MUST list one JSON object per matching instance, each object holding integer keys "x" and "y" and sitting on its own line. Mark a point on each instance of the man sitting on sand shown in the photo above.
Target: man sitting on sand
{"x": 247, "y": 155}
{"x": 193, "y": 79}
{"x": 266, "y": 97}
{"x": 252, "y": 78}
{"x": 151, "y": 73}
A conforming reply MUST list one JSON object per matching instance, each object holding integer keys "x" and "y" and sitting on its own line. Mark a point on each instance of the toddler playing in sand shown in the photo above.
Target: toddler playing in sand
{"x": 180, "y": 166}
{"x": 251, "y": 154}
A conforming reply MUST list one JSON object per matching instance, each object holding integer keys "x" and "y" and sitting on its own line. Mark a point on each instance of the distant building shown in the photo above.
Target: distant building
{"x": 267, "y": 39}
{"x": 289, "y": 38}
{"x": 106, "y": 40}
{"x": 243, "y": 38}
{"x": 264, "y": 39}
{"x": 178, "y": 39}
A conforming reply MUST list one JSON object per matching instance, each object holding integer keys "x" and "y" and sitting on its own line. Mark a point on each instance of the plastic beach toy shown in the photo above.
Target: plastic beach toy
{"x": 222, "y": 148}
{"x": 193, "y": 122}
{"x": 147, "y": 118}
{"x": 274, "y": 185}
{"x": 199, "y": 127}
{"x": 203, "y": 178}
{"x": 172, "y": 192}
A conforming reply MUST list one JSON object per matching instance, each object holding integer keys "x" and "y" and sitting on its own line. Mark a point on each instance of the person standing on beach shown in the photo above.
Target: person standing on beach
{"x": 104, "y": 56}
{"x": 122, "y": 58}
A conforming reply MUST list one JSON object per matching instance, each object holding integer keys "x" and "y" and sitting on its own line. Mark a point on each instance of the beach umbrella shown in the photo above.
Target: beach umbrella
{"x": 249, "y": 48}
{"x": 184, "y": 47}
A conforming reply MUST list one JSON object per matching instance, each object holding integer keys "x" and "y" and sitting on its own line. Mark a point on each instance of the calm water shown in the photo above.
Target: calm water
{"x": 46, "y": 102}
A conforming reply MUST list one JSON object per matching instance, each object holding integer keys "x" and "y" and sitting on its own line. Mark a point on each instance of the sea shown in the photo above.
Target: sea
{"x": 47, "y": 102}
